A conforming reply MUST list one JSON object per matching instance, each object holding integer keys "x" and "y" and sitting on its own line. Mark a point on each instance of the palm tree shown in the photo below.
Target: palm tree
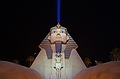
{"x": 87, "y": 62}
{"x": 115, "y": 54}
{"x": 30, "y": 60}
{"x": 98, "y": 62}
{"x": 16, "y": 61}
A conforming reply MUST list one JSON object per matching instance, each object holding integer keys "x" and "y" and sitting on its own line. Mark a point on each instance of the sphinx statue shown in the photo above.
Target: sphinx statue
{"x": 58, "y": 58}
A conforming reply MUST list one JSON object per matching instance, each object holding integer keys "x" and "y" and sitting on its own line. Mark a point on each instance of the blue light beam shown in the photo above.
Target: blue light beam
{"x": 58, "y": 11}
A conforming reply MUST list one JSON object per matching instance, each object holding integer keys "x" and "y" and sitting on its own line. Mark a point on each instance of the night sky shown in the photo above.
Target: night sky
{"x": 94, "y": 26}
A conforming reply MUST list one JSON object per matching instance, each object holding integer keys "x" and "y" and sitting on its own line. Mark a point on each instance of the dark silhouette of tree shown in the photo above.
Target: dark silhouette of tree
{"x": 98, "y": 62}
{"x": 30, "y": 60}
{"x": 87, "y": 62}
{"x": 115, "y": 54}
{"x": 16, "y": 61}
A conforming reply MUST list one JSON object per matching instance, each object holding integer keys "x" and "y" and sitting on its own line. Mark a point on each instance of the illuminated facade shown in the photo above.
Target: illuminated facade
{"x": 58, "y": 58}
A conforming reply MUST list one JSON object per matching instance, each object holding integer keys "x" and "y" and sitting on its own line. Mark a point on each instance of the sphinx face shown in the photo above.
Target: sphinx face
{"x": 58, "y": 35}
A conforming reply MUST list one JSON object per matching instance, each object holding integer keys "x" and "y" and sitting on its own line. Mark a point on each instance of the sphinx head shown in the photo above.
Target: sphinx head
{"x": 58, "y": 34}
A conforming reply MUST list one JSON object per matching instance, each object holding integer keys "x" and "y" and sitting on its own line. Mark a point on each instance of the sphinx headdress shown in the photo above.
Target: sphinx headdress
{"x": 70, "y": 44}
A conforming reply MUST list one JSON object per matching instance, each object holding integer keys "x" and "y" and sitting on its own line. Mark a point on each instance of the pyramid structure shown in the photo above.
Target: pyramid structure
{"x": 58, "y": 58}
